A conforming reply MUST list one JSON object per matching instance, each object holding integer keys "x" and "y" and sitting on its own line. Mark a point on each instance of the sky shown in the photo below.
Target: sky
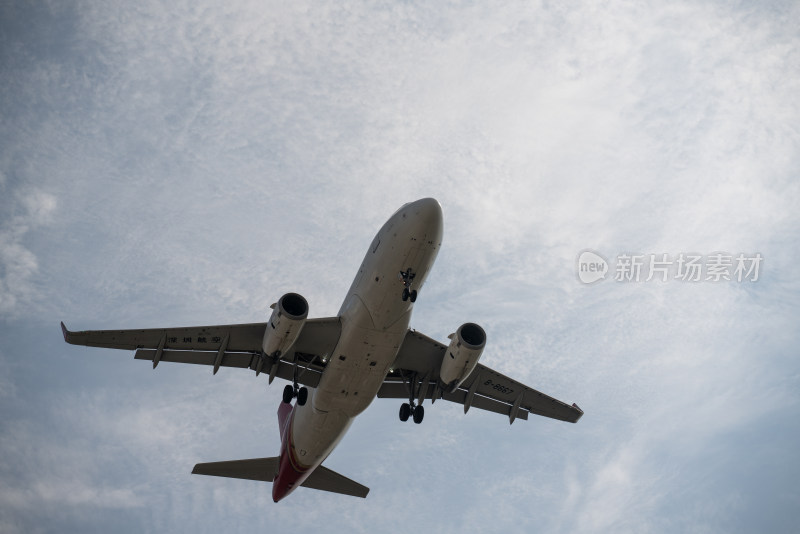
{"x": 187, "y": 163}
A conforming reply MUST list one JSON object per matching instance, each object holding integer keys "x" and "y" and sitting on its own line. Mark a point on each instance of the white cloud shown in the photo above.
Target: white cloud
{"x": 18, "y": 265}
{"x": 51, "y": 491}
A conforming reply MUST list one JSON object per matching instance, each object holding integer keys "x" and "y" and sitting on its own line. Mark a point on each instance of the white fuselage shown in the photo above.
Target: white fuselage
{"x": 374, "y": 321}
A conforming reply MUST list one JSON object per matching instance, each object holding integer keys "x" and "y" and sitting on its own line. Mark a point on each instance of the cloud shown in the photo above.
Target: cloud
{"x": 18, "y": 265}
{"x": 49, "y": 491}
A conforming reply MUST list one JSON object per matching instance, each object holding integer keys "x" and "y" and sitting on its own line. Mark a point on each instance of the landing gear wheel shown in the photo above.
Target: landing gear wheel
{"x": 302, "y": 396}
{"x": 288, "y": 394}
{"x": 405, "y": 411}
{"x": 407, "y": 278}
{"x": 419, "y": 413}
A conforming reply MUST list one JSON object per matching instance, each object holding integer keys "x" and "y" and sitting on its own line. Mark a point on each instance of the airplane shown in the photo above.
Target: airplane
{"x": 337, "y": 366}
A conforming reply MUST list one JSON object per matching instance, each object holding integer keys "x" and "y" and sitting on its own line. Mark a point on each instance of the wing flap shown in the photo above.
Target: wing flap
{"x": 230, "y": 359}
{"x": 307, "y": 376}
{"x": 485, "y": 403}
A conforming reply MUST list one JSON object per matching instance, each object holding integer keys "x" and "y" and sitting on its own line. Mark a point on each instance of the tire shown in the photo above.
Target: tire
{"x": 419, "y": 413}
{"x": 288, "y": 394}
{"x": 413, "y": 296}
{"x": 405, "y": 411}
{"x": 302, "y": 396}
{"x": 405, "y": 294}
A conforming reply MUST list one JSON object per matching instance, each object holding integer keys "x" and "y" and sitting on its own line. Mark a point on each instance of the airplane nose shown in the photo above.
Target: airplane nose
{"x": 427, "y": 203}
{"x": 429, "y": 210}
{"x": 426, "y": 220}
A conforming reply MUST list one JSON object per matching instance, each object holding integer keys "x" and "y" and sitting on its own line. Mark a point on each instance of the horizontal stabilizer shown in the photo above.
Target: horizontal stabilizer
{"x": 326, "y": 480}
{"x": 265, "y": 469}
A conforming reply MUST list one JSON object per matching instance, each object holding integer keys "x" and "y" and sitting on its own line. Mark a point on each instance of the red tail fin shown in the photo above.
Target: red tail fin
{"x": 284, "y": 411}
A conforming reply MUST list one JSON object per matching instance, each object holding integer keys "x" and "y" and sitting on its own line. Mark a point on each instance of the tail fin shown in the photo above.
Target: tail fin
{"x": 265, "y": 469}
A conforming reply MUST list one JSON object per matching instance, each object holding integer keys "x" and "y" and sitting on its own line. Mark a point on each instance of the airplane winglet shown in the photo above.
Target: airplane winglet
{"x": 580, "y": 414}
{"x": 65, "y": 331}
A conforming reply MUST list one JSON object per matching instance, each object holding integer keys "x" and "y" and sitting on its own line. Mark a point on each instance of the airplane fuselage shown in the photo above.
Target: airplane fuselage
{"x": 374, "y": 321}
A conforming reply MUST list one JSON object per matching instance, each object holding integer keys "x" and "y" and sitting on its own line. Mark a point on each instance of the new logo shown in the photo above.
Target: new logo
{"x": 591, "y": 267}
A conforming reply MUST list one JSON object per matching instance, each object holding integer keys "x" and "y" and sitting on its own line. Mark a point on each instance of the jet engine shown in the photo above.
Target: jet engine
{"x": 466, "y": 346}
{"x": 287, "y": 319}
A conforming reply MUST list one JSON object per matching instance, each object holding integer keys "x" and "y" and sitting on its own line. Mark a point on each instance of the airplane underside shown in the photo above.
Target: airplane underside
{"x": 337, "y": 366}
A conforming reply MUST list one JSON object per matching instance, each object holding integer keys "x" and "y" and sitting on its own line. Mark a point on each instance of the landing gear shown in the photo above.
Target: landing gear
{"x": 294, "y": 390}
{"x": 417, "y": 391}
{"x": 416, "y": 412}
{"x": 289, "y": 393}
{"x": 419, "y": 413}
{"x": 407, "y": 277}
{"x": 409, "y": 295}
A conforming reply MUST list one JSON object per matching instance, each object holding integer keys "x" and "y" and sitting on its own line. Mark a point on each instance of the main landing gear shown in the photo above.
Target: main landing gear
{"x": 416, "y": 388}
{"x": 290, "y": 392}
{"x": 407, "y": 277}
{"x": 408, "y": 409}
{"x": 294, "y": 390}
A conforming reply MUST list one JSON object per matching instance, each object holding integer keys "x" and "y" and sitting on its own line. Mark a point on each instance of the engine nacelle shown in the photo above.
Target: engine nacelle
{"x": 287, "y": 319}
{"x": 462, "y": 355}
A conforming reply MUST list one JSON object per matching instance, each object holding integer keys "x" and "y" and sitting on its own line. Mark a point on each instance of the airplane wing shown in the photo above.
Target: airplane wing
{"x": 416, "y": 369}
{"x": 237, "y": 345}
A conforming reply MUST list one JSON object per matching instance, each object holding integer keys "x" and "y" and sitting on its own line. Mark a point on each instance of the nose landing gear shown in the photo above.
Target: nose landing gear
{"x": 407, "y": 277}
